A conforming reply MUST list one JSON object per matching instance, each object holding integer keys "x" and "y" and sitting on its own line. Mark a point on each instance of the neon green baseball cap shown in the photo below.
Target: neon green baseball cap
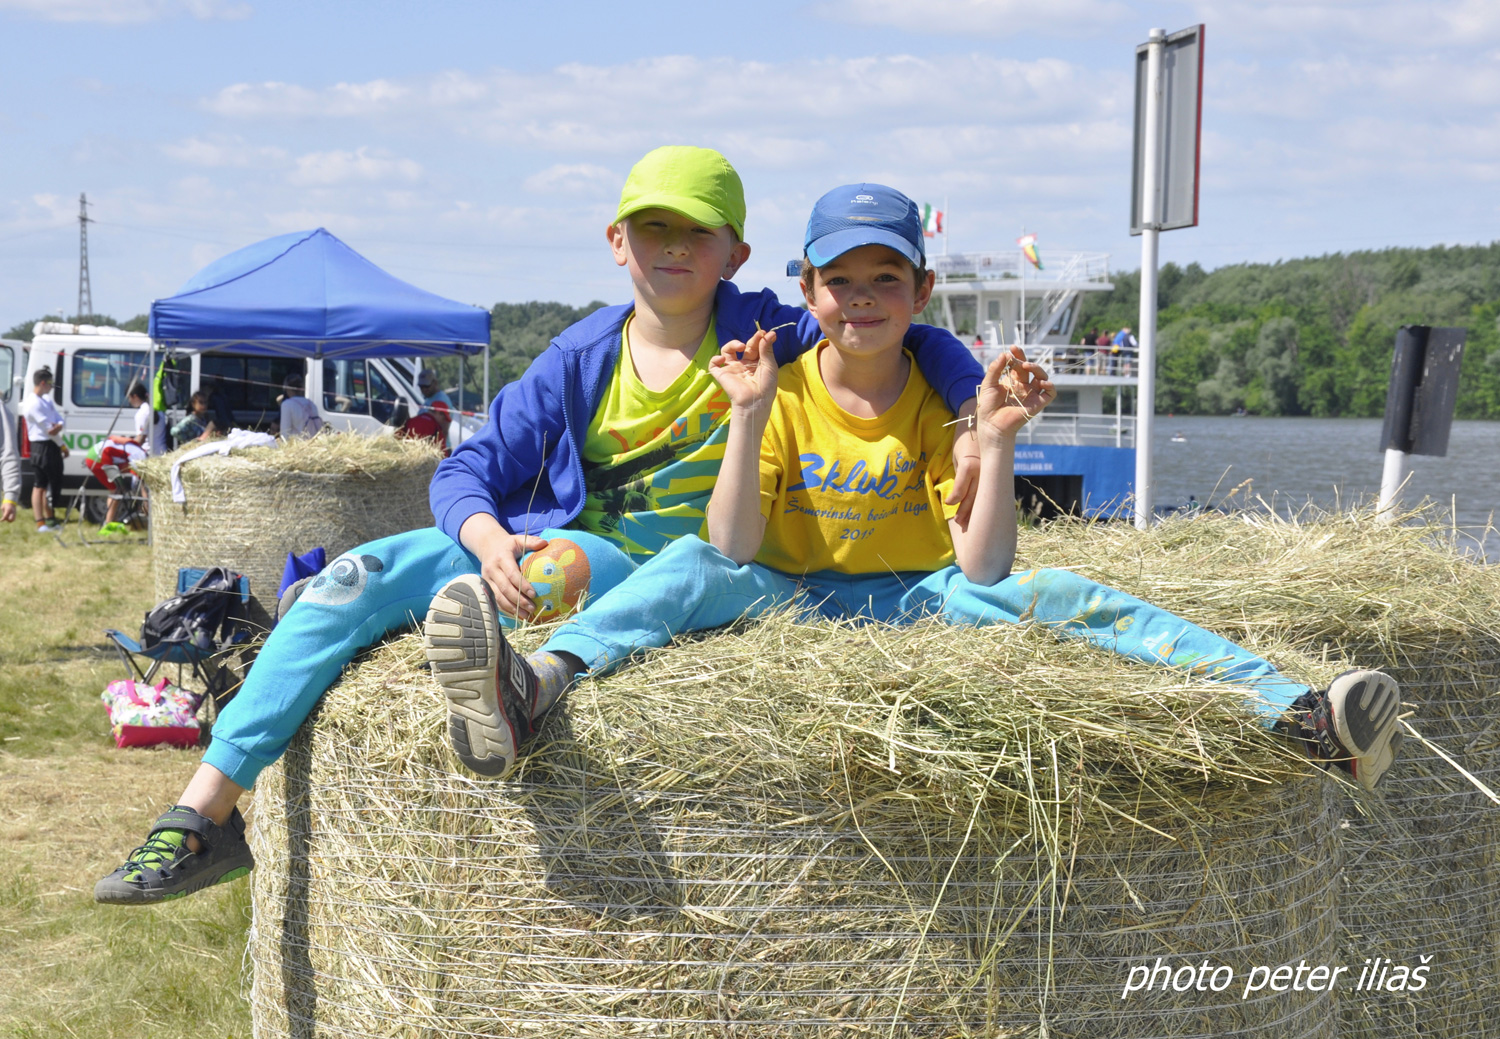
{"x": 699, "y": 183}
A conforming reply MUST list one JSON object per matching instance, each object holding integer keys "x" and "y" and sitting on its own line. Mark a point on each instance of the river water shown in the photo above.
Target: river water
{"x": 1292, "y": 461}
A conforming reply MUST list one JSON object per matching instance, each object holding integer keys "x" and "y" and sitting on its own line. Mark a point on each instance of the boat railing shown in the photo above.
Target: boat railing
{"x": 1061, "y": 359}
{"x": 1079, "y": 430}
{"x": 1012, "y": 263}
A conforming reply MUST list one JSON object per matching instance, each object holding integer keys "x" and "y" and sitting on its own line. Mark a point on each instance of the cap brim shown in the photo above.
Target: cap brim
{"x": 694, "y": 209}
{"x": 830, "y": 247}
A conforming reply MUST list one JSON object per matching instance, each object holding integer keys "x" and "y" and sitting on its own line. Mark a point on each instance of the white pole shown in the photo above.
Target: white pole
{"x": 486, "y": 404}
{"x": 1145, "y": 398}
{"x": 460, "y": 415}
{"x": 1391, "y": 479}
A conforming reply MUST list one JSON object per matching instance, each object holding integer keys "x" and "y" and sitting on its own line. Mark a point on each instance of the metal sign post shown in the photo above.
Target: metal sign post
{"x": 1168, "y": 120}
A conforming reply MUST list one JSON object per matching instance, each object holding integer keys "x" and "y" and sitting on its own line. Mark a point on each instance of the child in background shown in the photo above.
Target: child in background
{"x": 833, "y": 486}
{"x": 599, "y": 456}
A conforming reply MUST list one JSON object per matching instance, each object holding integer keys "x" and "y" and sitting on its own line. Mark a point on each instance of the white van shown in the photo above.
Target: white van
{"x": 94, "y": 366}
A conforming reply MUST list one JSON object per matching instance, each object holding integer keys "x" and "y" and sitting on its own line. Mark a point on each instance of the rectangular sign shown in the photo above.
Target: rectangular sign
{"x": 1181, "y": 130}
{"x": 1423, "y": 390}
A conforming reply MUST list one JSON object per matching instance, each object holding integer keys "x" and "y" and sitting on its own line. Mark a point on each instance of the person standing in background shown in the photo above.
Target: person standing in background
{"x": 10, "y": 467}
{"x": 435, "y": 402}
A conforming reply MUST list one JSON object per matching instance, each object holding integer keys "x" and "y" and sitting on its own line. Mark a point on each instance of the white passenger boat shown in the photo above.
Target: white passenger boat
{"x": 1075, "y": 457}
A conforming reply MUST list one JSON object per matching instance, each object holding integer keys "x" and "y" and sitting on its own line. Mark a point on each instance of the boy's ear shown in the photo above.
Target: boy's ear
{"x": 615, "y": 235}
{"x": 924, "y": 293}
{"x": 737, "y": 257}
{"x": 806, "y": 285}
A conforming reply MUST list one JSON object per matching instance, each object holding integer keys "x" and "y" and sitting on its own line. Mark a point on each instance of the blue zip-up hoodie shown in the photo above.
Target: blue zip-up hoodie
{"x": 525, "y": 467}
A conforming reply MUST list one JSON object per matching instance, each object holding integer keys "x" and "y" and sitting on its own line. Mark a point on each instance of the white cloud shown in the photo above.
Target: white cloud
{"x": 769, "y": 115}
{"x": 125, "y": 12}
{"x": 286, "y": 99}
{"x": 222, "y": 153}
{"x": 571, "y": 179}
{"x": 978, "y": 17}
{"x": 325, "y": 169}
{"x": 1330, "y": 25}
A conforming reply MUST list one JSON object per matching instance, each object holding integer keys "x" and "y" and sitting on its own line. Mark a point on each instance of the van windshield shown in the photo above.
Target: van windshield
{"x": 7, "y": 371}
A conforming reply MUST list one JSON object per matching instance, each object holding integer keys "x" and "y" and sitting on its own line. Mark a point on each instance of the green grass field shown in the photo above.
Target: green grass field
{"x": 72, "y": 806}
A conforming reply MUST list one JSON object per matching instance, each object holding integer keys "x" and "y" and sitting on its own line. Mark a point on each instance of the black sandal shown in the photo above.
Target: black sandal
{"x": 163, "y": 868}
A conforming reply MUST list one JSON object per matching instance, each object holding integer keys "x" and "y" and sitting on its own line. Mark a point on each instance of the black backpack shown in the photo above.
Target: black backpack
{"x": 199, "y": 617}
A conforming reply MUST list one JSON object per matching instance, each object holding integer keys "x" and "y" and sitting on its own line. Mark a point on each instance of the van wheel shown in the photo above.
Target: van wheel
{"x": 94, "y": 508}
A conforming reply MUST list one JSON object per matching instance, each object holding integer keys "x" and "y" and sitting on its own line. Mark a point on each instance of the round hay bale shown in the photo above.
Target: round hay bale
{"x": 798, "y": 830}
{"x": 1424, "y": 859}
{"x": 248, "y": 509}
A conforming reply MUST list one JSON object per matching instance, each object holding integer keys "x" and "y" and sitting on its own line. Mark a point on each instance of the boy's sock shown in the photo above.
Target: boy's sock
{"x": 554, "y": 673}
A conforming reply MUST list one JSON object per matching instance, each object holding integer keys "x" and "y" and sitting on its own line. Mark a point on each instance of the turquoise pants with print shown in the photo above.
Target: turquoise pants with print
{"x": 358, "y": 599}
{"x": 692, "y": 586}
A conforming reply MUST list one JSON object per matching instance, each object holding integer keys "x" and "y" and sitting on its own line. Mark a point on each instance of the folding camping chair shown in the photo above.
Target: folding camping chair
{"x": 197, "y": 659}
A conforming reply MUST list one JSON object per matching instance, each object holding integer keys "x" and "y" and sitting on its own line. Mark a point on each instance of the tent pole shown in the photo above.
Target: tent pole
{"x": 486, "y": 404}
{"x": 460, "y": 396}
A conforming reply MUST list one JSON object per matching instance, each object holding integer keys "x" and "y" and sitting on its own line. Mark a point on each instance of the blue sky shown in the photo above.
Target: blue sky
{"x": 477, "y": 149}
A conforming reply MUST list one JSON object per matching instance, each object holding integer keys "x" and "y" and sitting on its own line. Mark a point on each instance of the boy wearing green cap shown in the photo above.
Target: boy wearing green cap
{"x": 603, "y": 453}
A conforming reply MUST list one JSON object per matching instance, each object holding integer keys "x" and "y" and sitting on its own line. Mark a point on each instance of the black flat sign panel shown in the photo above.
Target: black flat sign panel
{"x": 1423, "y": 390}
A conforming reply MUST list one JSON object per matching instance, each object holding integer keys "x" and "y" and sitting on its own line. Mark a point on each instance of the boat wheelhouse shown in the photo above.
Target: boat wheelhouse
{"x": 1074, "y": 457}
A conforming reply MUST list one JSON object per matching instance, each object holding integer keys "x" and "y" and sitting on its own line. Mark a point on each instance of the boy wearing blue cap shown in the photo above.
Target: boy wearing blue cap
{"x": 834, "y": 484}
{"x": 603, "y": 453}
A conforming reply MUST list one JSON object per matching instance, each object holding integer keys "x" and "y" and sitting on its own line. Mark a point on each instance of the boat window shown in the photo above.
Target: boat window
{"x": 102, "y": 378}
{"x": 1065, "y": 404}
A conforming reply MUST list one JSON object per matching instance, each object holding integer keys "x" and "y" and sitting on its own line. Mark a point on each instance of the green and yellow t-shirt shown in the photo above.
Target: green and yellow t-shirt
{"x": 650, "y": 459}
{"x": 855, "y": 495}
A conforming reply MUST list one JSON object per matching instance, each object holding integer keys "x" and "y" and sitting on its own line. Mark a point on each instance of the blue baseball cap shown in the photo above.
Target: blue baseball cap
{"x": 863, "y": 214}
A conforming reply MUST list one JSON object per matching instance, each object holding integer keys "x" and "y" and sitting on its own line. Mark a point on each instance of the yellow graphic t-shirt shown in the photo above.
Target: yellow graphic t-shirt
{"x": 856, "y": 495}
{"x": 650, "y": 459}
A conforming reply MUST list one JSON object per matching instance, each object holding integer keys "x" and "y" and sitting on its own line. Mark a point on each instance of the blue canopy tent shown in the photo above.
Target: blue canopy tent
{"x": 307, "y": 294}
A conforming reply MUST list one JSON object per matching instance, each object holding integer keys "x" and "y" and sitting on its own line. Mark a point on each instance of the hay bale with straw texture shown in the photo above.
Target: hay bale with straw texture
{"x": 247, "y": 510}
{"x": 1425, "y": 875}
{"x": 797, "y": 830}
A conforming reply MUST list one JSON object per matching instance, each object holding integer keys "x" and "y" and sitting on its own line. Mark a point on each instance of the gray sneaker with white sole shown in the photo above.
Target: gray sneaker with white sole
{"x": 491, "y": 689}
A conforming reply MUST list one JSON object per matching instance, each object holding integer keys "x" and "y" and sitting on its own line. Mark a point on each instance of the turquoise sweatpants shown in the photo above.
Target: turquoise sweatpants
{"x": 692, "y": 586}
{"x": 358, "y": 599}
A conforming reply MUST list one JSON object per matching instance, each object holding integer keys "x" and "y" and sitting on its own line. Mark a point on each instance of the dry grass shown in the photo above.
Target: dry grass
{"x": 72, "y": 806}
{"x": 796, "y": 829}
{"x": 788, "y": 830}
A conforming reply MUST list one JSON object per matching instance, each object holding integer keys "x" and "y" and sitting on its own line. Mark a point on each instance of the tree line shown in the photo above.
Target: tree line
{"x": 1311, "y": 336}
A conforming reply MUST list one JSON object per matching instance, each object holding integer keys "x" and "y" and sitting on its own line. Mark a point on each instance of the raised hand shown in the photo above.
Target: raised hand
{"x": 747, "y": 371}
{"x": 1014, "y": 389}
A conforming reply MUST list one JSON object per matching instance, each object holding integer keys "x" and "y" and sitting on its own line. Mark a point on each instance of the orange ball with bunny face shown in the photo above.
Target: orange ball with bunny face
{"x": 560, "y": 574}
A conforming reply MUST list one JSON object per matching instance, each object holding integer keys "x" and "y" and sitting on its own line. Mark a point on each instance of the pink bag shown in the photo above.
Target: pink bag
{"x": 143, "y": 715}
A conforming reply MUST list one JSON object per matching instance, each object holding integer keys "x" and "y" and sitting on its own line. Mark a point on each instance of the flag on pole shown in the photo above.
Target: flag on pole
{"x": 1027, "y": 242}
{"x": 932, "y": 221}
